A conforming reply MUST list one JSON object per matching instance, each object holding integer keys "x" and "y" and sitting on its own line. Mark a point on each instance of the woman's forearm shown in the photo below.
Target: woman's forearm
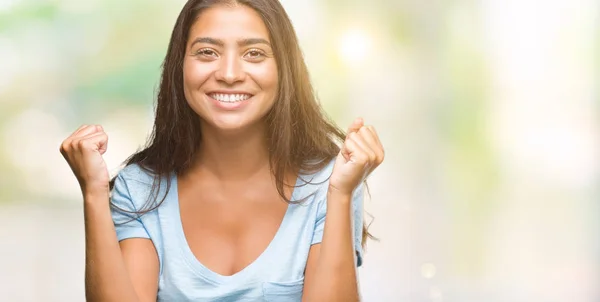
{"x": 335, "y": 274}
{"x": 106, "y": 277}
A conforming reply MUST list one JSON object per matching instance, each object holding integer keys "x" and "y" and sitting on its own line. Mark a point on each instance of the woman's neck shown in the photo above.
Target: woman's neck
{"x": 233, "y": 155}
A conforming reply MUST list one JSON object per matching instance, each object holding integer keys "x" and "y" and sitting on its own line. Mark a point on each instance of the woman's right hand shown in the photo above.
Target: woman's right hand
{"x": 83, "y": 151}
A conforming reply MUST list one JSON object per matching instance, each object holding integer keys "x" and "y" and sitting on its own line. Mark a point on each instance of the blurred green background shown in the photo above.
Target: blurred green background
{"x": 488, "y": 111}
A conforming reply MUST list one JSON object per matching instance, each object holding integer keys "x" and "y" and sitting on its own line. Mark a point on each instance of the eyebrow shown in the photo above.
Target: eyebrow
{"x": 241, "y": 42}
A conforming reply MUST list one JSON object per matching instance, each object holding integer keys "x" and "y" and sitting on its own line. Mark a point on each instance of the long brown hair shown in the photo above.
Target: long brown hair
{"x": 300, "y": 135}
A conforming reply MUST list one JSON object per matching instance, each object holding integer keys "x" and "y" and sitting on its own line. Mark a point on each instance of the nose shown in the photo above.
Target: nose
{"x": 230, "y": 70}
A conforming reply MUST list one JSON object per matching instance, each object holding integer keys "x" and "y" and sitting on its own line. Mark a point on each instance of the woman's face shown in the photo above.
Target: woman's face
{"x": 229, "y": 70}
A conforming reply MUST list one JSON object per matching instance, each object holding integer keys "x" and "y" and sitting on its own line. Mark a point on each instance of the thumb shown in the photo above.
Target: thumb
{"x": 356, "y": 125}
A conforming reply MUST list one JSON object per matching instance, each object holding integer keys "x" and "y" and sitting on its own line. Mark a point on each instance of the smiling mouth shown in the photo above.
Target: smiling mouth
{"x": 230, "y": 98}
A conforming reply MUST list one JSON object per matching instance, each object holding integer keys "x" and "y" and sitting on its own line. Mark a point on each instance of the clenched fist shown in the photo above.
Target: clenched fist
{"x": 83, "y": 151}
{"x": 360, "y": 154}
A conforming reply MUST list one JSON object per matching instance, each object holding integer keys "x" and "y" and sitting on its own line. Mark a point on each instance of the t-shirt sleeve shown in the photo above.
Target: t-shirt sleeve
{"x": 357, "y": 221}
{"x": 127, "y": 223}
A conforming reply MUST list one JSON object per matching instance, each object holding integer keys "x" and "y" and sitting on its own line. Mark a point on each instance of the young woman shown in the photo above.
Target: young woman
{"x": 243, "y": 192}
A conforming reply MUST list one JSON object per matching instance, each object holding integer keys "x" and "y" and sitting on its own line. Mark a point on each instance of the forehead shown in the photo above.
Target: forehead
{"x": 229, "y": 23}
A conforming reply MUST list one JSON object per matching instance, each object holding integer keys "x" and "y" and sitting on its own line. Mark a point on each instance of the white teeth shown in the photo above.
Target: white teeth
{"x": 229, "y": 98}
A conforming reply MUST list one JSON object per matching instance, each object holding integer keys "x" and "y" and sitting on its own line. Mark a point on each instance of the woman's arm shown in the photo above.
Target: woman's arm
{"x": 116, "y": 272}
{"x": 331, "y": 267}
{"x": 112, "y": 273}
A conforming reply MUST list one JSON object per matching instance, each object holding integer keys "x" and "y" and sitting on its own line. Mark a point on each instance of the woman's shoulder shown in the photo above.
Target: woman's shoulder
{"x": 136, "y": 173}
{"x": 317, "y": 179}
{"x": 136, "y": 184}
{"x": 322, "y": 175}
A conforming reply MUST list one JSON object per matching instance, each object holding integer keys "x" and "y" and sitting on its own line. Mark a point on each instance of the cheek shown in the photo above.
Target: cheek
{"x": 266, "y": 77}
{"x": 194, "y": 74}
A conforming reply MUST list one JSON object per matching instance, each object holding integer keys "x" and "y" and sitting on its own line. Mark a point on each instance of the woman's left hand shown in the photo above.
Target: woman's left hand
{"x": 360, "y": 154}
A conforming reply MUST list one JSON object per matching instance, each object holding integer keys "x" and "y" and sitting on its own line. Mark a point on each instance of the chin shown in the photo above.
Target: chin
{"x": 232, "y": 123}
{"x": 229, "y": 126}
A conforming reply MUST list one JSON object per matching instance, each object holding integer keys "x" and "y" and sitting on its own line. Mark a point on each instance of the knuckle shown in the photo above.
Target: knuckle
{"x": 372, "y": 156}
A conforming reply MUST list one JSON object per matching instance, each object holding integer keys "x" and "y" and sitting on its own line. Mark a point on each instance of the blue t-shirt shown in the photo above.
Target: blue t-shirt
{"x": 276, "y": 275}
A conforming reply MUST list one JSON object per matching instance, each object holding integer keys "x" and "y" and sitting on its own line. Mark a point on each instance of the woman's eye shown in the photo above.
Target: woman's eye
{"x": 254, "y": 54}
{"x": 206, "y": 52}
